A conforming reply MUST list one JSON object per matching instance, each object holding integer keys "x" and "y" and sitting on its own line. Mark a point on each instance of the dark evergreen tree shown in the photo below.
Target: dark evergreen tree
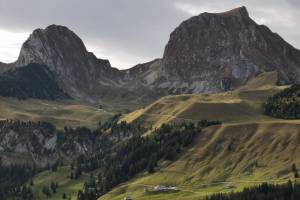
{"x": 264, "y": 191}
{"x": 285, "y": 104}
{"x": 46, "y": 191}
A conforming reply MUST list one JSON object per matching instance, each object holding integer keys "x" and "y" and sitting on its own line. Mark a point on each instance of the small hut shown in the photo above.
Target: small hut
{"x": 146, "y": 189}
{"x": 161, "y": 188}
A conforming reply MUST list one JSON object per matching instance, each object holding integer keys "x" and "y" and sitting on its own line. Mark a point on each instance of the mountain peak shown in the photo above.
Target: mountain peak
{"x": 56, "y": 27}
{"x": 51, "y": 28}
{"x": 223, "y": 51}
{"x": 240, "y": 11}
{"x": 51, "y": 45}
{"x": 65, "y": 54}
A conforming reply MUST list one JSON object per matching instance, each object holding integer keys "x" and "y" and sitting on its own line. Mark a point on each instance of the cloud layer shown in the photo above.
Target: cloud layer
{"x": 128, "y": 32}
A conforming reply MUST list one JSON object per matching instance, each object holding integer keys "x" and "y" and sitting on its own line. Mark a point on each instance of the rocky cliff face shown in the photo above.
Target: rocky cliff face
{"x": 145, "y": 74}
{"x": 214, "y": 52}
{"x": 78, "y": 70}
{"x": 41, "y": 144}
{"x": 23, "y": 143}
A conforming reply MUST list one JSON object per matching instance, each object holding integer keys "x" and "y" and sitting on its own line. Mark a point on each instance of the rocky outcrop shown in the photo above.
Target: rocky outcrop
{"x": 145, "y": 74}
{"x": 215, "y": 52}
{"x": 79, "y": 71}
{"x": 41, "y": 144}
{"x": 26, "y": 143}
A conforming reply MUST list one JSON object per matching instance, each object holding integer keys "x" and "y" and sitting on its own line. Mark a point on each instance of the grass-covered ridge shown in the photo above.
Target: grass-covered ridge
{"x": 59, "y": 113}
{"x": 239, "y": 106}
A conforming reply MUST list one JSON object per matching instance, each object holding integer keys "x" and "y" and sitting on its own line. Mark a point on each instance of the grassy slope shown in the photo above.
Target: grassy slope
{"x": 57, "y": 112}
{"x": 264, "y": 152}
{"x": 66, "y": 185}
{"x": 243, "y": 105}
{"x": 262, "y": 148}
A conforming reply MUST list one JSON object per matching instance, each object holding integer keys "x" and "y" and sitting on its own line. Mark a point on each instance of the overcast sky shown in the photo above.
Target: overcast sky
{"x": 128, "y": 32}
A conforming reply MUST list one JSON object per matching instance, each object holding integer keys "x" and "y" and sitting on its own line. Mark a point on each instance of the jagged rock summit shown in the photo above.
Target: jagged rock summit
{"x": 211, "y": 52}
{"x": 214, "y": 52}
{"x": 78, "y": 70}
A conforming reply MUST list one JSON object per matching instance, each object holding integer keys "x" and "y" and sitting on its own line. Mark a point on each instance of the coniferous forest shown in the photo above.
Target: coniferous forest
{"x": 31, "y": 81}
{"x": 13, "y": 179}
{"x": 285, "y": 105}
{"x": 120, "y": 151}
{"x": 289, "y": 191}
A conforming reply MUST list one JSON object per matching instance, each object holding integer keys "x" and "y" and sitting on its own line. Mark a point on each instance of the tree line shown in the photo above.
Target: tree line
{"x": 285, "y": 104}
{"x": 265, "y": 191}
{"x": 13, "y": 179}
{"x": 31, "y": 81}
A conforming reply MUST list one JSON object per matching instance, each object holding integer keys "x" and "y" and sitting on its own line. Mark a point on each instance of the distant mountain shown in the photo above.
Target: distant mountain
{"x": 208, "y": 53}
{"x": 31, "y": 81}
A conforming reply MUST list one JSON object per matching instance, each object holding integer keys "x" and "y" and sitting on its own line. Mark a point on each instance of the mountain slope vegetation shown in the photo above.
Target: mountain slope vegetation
{"x": 262, "y": 192}
{"x": 249, "y": 148}
{"x": 31, "y": 81}
{"x": 285, "y": 104}
{"x": 223, "y": 158}
{"x": 242, "y": 105}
